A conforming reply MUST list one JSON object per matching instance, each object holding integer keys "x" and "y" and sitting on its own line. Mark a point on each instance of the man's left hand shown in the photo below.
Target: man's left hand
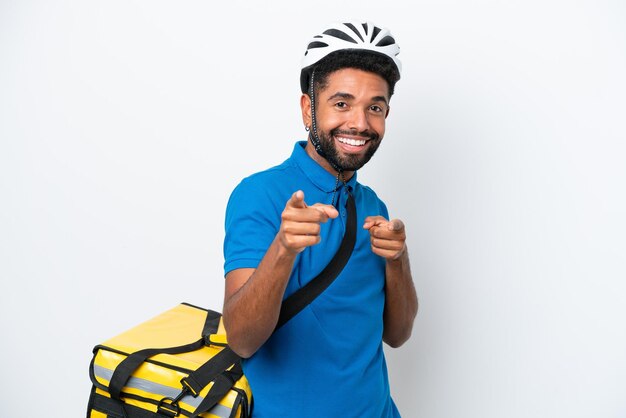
{"x": 387, "y": 237}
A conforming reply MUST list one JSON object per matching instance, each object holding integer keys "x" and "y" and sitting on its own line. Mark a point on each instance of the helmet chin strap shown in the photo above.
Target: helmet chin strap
{"x": 315, "y": 140}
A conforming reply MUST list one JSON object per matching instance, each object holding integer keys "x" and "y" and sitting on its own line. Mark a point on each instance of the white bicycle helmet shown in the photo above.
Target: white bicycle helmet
{"x": 351, "y": 35}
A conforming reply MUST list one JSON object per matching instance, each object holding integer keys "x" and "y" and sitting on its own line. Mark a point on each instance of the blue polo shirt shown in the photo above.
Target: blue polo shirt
{"x": 328, "y": 360}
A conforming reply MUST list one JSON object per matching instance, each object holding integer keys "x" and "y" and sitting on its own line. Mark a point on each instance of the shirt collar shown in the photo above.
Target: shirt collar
{"x": 315, "y": 172}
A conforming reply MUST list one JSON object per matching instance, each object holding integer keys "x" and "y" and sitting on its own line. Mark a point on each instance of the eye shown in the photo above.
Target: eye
{"x": 341, "y": 105}
{"x": 376, "y": 108}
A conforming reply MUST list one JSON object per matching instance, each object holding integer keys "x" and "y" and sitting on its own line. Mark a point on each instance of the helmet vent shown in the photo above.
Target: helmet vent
{"x": 351, "y": 26}
{"x": 316, "y": 44}
{"x": 387, "y": 40}
{"x": 375, "y": 32}
{"x": 339, "y": 34}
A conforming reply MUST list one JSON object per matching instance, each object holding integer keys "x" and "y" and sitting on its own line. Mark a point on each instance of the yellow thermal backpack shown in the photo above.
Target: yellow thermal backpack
{"x": 179, "y": 364}
{"x": 175, "y": 364}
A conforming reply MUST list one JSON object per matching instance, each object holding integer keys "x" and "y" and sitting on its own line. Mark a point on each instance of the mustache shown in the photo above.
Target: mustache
{"x": 364, "y": 134}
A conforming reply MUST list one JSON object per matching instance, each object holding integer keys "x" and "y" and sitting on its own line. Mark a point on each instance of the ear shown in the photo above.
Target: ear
{"x": 305, "y": 107}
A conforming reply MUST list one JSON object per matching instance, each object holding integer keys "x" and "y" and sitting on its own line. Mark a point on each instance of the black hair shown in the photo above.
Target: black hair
{"x": 359, "y": 59}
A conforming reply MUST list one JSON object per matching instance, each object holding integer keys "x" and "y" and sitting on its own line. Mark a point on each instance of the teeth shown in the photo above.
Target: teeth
{"x": 353, "y": 142}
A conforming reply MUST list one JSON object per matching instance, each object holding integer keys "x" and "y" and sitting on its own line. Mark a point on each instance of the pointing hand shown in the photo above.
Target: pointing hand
{"x": 388, "y": 238}
{"x": 300, "y": 226}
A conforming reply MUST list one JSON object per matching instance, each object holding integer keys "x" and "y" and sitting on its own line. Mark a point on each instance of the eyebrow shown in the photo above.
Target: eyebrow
{"x": 342, "y": 95}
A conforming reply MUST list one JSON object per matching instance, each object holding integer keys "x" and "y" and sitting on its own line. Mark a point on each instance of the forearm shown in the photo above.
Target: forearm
{"x": 251, "y": 313}
{"x": 400, "y": 301}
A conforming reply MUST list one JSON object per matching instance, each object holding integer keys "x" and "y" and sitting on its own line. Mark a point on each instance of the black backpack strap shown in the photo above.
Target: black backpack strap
{"x": 305, "y": 295}
{"x": 127, "y": 367}
{"x": 202, "y": 376}
{"x": 222, "y": 384}
{"x": 211, "y": 323}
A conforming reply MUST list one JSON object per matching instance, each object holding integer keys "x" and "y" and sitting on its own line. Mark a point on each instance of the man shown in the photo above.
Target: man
{"x": 283, "y": 226}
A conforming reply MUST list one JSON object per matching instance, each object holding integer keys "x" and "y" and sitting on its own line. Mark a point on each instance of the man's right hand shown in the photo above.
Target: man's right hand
{"x": 300, "y": 226}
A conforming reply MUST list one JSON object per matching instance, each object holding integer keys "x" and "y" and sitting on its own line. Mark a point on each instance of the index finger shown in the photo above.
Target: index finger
{"x": 329, "y": 210}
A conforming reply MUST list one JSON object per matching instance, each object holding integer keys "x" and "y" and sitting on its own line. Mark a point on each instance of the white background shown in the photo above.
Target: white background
{"x": 124, "y": 125}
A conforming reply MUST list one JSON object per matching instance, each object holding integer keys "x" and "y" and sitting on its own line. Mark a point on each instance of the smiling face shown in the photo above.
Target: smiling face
{"x": 350, "y": 111}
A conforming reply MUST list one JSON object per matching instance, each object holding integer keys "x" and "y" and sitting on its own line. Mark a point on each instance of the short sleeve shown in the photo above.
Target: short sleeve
{"x": 251, "y": 223}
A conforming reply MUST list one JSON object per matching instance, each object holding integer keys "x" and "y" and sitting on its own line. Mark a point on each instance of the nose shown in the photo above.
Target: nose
{"x": 358, "y": 120}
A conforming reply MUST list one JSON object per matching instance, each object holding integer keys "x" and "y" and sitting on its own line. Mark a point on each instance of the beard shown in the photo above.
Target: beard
{"x": 349, "y": 162}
